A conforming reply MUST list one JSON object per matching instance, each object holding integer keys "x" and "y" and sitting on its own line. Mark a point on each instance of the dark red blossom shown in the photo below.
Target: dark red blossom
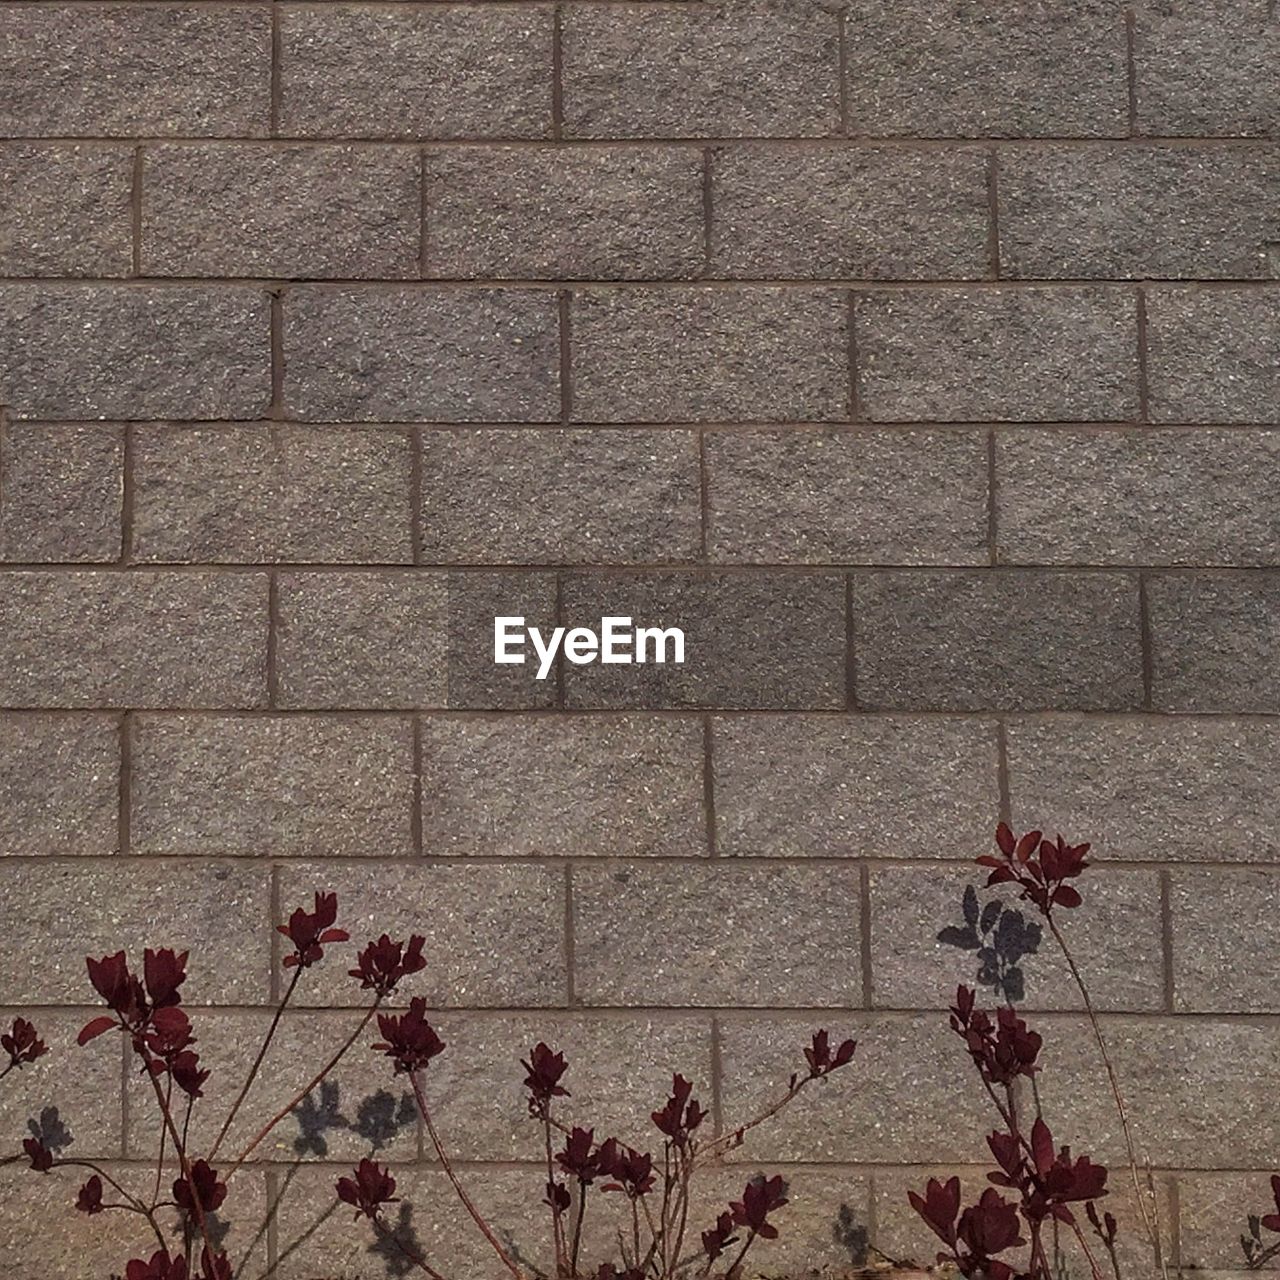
{"x": 170, "y": 1033}
{"x": 542, "y": 1079}
{"x": 759, "y": 1199}
{"x": 718, "y": 1238}
{"x": 989, "y": 1227}
{"x": 630, "y": 1171}
{"x": 202, "y": 1192}
{"x": 579, "y": 1157}
{"x": 821, "y": 1060}
{"x": 557, "y": 1197}
{"x": 22, "y": 1044}
{"x": 40, "y": 1156}
{"x": 1105, "y": 1229}
{"x": 160, "y": 1266}
{"x": 370, "y": 1188}
{"x": 1001, "y": 1050}
{"x": 383, "y": 963}
{"x": 215, "y": 1266}
{"x": 185, "y": 1069}
{"x": 1039, "y": 867}
{"x": 311, "y": 931}
{"x": 682, "y": 1113}
{"x": 164, "y": 971}
{"x": 90, "y": 1198}
{"x": 409, "y": 1040}
{"x": 1272, "y": 1220}
{"x": 120, "y": 990}
{"x": 939, "y": 1207}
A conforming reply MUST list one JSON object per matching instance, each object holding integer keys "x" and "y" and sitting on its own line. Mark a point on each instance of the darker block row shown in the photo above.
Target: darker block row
{"x": 762, "y": 70}
{"x": 879, "y": 640}
{"x": 431, "y": 353}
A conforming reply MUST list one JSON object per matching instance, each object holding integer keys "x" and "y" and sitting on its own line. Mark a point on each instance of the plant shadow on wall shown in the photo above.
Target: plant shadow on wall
{"x": 1043, "y": 1215}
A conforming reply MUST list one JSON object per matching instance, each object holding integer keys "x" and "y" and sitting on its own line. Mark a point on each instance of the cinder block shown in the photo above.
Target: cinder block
{"x": 1213, "y": 1213}
{"x": 973, "y": 641}
{"x": 60, "y": 783}
{"x": 642, "y": 355}
{"x": 115, "y": 351}
{"x": 717, "y": 933}
{"x": 846, "y": 211}
{"x": 290, "y": 211}
{"x": 523, "y": 786}
{"x": 271, "y": 786}
{"x": 252, "y": 494}
{"x": 61, "y": 492}
{"x": 415, "y": 71}
{"x": 1031, "y": 355}
{"x": 404, "y": 355}
{"x": 526, "y": 496}
{"x": 534, "y": 213}
{"x": 711, "y": 71}
{"x": 847, "y": 497}
{"x": 143, "y": 639}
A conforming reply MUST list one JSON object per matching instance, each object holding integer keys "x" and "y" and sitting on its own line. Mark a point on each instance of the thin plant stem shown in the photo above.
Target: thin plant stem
{"x": 577, "y": 1228}
{"x": 257, "y": 1063}
{"x": 416, "y": 1259}
{"x": 1084, "y": 1244}
{"x": 134, "y": 1204}
{"x": 557, "y": 1224}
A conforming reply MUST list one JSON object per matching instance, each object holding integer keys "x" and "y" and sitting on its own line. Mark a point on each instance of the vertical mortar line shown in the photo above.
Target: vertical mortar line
{"x": 993, "y": 213}
{"x": 126, "y": 493}
{"x": 124, "y": 815}
{"x": 1144, "y": 398}
{"x": 571, "y": 995}
{"x": 277, "y": 86}
{"x": 1131, "y": 68}
{"x": 993, "y": 543}
{"x": 1166, "y": 932}
{"x": 415, "y": 812}
{"x": 709, "y": 785}
{"x": 873, "y": 1218}
{"x": 1004, "y": 790}
{"x": 557, "y": 74}
{"x": 275, "y": 914}
{"x": 707, "y": 215}
{"x": 717, "y": 1073}
{"x": 842, "y": 19}
{"x": 566, "y": 378}
{"x": 416, "y": 531}
{"x": 864, "y": 928}
{"x": 135, "y": 211}
{"x": 1148, "y": 655}
{"x": 850, "y": 649}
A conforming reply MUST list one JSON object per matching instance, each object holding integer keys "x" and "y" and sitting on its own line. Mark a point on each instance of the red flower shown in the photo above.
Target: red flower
{"x": 542, "y": 1079}
{"x": 22, "y": 1044}
{"x": 578, "y": 1156}
{"x": 1002, "y": 1050}
{"x": 371, "y": 1188}
{"x": 938, "y": 1207}
{"x": 159, "y": 1267}
{"x": 991, "y": 1226}
{"x": 410, "y": 1040}
{"x": 720, "y": 1237}
{"x": 681, "y": 1115}
{"x": 1272, "y": 1220}
{"x": 214, "y": 1266}
{"x": 820, "y": 1058}
{"x": 760, "y": 1198}
{"x": 203, "y": 1189}
{"x": 165, "y": 972}
{"x": 631, "y": 1172}
{"x": 311, "y": 931}
{"x": 1041, "y": 878}
{"x": 185, "y": 1069}
{"x": 90, "y": 1198}
{"x": 383, "y": 963}
{"x": 557, "y": 1198}
{"x": 170, "y": 1033}
{"x": 120, "y": 990}
{"x": 40, "y": 1156}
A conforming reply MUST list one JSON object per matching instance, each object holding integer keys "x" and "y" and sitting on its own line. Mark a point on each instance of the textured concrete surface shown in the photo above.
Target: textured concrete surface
{"x": 920, "y": 360}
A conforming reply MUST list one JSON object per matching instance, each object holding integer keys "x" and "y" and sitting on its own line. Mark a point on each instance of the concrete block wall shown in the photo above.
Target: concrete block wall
{"x": 922, "y": 360}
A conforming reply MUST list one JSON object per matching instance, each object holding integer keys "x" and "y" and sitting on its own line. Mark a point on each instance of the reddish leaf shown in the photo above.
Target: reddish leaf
{"x": 92, "y": 1030}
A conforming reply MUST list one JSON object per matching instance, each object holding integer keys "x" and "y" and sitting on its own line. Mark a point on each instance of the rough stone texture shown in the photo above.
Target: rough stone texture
{"x": 1126, "y": 212}
{"x": 640, "y": 355}
{"x": 495, "y": 933}
{"x": 1037, "y": 70}
{"x": 255, "y": 494}
{"x": 972, "y": 642}
{"x": 559, "y": 497}
{"x": 821, "y": 213}
{"x": 498, "y": 786}
{"x": 847, "y": 497}
{"x": 1209, "y": 1224}
{"x": 1214, "y": 354}
{"x": 546, "y": 213}
{"x": 415, "y": 71}
{"x": 123, "y": 69}
{"x": 61, "y": 493}
{"x": 64, "y": 210}
{"x": 265, "y": 210}
{"x": 1140, "y": 497}
{"x": 424, "y": 355}
{"x": 818, "y": 786}
{"x": 53, "y": 914}
{"x": 1225, "y": 931}
{"x": 762, "y": 640}
{"x": 717, "y": 934}
{"x": 105, "y": 351}
{"x": 1214, "y": 642}
{"x": 1206, "y": 68}
{"x": 87, "y": 639}
{"x": 1157, "y": 788}
{"x": 928, "y": 935}
{"x": 277, "y": 786}
{"x": 60, "y": 777}
{"x": 956, "y": 355}
{"x": 712, "y": 71}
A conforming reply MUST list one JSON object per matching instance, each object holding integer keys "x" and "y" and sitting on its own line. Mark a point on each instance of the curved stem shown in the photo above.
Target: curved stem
{"x": 134, "y": 1204}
